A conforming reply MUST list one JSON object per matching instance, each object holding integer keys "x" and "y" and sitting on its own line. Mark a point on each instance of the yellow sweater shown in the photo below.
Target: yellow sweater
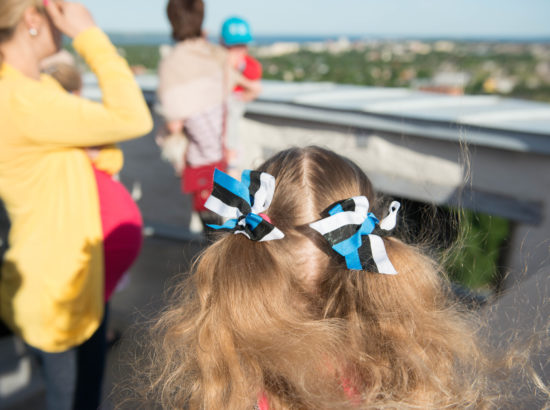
{"x": 51, "y": 284}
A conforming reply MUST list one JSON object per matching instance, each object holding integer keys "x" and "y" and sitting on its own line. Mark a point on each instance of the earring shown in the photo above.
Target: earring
{"x": 33, "y": 32}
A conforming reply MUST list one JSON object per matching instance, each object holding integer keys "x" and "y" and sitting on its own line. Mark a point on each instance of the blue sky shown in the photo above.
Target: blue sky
{"x": 500, "y": 18}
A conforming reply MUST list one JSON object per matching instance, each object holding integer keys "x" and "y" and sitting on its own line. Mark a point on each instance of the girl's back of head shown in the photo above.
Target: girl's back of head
{"x": 287, "y": 321}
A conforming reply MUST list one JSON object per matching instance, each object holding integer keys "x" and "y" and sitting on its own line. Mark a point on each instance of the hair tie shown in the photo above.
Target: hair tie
{"x": 348, "y": 221}
{"x": 243, "y": 201}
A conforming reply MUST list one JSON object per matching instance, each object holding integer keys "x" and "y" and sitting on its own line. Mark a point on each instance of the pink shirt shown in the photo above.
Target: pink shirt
{"x": 351, "y": 392}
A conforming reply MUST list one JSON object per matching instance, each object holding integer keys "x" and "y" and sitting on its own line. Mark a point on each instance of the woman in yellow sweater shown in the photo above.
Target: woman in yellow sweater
{"x": 51, "y": 283}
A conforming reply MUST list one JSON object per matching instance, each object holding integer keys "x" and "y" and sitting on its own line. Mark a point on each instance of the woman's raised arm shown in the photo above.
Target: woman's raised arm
{"x": 60, "y": 118}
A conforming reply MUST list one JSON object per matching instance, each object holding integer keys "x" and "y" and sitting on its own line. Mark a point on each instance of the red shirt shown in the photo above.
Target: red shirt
{"x": 351, "y": 392}
{"x": 250, "y": 69}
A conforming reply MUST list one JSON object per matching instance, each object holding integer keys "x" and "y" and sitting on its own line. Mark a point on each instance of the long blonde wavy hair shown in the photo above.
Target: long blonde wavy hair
{"x": 287, "y": 320}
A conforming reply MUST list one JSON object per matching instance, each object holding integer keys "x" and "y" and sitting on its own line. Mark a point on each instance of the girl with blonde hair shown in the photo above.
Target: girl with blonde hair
{"x": 313, "y": 304}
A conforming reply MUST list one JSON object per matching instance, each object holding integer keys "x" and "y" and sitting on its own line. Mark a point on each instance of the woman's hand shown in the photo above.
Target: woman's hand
{"x": 174, "y": 126}
{"x": 70, "y": 18}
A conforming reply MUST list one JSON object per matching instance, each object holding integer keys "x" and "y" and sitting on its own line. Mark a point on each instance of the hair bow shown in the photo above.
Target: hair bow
{"x": 348, "y": 221}
{"x": 243, "y": 202}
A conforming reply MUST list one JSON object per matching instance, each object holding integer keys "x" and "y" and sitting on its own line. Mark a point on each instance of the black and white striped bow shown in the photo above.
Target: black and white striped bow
{"x": 348, "y": 221}
{"x": 243, "y": 201}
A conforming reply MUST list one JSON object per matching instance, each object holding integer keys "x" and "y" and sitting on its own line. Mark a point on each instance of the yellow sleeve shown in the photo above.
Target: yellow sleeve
{"x": 110, "y": 159}
{"x": 62, "y": 119}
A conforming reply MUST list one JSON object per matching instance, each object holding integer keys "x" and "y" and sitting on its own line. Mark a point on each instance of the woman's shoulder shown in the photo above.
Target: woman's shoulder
{"x": 11, "y": 78}
{"x": 18, "y": 90}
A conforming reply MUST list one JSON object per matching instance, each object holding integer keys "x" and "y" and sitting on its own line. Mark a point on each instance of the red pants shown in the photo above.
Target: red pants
{"x": 199, "y": 182}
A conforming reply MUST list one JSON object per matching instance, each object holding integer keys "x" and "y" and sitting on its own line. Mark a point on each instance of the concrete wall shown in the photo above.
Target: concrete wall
{"x": 511, "y": 184}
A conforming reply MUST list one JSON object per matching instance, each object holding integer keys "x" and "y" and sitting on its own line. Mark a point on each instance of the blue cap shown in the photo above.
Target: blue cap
{"x": 236, "y": 31}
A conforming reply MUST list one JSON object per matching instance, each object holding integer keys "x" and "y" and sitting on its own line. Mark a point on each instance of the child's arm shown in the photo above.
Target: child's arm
{"x": 174, "y": 126}
{"x": 251, "y": 89}
{"x": 252, "y": 72}
{"x": 107, "y": 158}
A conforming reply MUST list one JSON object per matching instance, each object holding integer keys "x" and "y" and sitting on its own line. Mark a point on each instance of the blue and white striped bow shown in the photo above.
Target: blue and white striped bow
{"x": 243, "y": 202}
{"x": 348, "y": 221}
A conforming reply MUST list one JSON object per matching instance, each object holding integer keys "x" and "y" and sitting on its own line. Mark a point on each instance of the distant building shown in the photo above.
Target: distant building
{"x": 501, "y": 85}
{"x": 450, "y": 83}
{"x": 278, "y": 49}
{"x": 339, "y": 46}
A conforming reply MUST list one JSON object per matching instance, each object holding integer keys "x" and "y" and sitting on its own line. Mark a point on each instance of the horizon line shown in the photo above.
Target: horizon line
{"x": 545, "y": 36}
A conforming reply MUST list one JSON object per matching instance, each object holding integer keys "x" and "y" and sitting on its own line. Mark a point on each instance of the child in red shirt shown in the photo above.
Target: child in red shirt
{"x": 235, "y": 37}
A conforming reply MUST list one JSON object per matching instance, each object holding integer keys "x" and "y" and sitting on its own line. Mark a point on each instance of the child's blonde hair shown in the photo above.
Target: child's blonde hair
{"x": 67, "y": 75}
{"x": 287, "y": 319}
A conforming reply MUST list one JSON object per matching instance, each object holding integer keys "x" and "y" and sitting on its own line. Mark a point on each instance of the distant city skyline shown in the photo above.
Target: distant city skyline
{"x": 421, "y": 18}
